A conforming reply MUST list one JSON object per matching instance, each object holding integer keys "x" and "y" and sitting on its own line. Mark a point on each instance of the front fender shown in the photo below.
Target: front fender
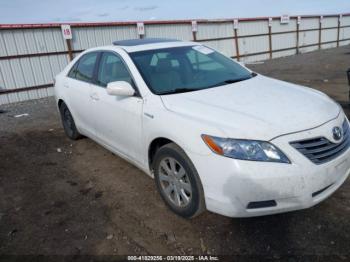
{"x": 159, "y": 122}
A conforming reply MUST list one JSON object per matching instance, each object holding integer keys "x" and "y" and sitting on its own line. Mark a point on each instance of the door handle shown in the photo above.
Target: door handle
{"x": 94, "y": 96}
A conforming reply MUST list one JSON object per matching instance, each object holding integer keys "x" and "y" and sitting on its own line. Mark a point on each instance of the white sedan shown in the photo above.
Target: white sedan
{"x": 212, "y": 133}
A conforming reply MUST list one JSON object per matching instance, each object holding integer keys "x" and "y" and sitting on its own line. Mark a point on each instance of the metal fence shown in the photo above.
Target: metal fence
{"x": 32, "y": 54}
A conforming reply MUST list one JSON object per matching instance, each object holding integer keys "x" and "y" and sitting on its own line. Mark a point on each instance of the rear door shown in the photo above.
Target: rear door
{"x": 118, "y": 119}
{"x": 78, "y": 87}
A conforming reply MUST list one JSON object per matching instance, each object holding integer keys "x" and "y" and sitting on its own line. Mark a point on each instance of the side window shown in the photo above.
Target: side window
{"x": 85, "y": 69}
{"x": 73, "y": 70}
{"x": 112, "y": 69}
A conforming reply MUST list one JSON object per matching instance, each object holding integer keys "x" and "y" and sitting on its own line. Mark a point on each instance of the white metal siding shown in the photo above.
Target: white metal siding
{"x": 278, "y": 27}
{"x": 309, "y": 23}
{"x": 40, "y": 70}
{"x": 344, "y": 33}
{"x": 330, "y": 22}
{"x": 177, "y": 31}
{"x": 345, "y": 20}
{"x": 87, "y": 37}
{"x": 329, "y": 35}
{"x": 253, "y": 27}
{"x": 253, "y": 44}
{"x": 308, "y": 38}
{"x": 284, "y": 41}
{"x": 31, "y": 41}
{"x": 215, "y": 30}
{"x": 227, "y": 47}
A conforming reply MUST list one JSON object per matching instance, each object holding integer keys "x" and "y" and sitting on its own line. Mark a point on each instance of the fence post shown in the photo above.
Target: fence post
{"x": 338, "y": 34}
{"x": 194, "y": 30}
{"x": 320, "y": 32}
{"x": 235, "y": 27}
{"x": 298, "y": 28}
{"x": 194, "y": 35}
{"x": 69, "y": 47}
{"x": 270, "y": 36}
{"x": 68, "y": 36}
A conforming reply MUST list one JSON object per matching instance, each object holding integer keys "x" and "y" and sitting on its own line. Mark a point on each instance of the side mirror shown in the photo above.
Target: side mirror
{"x": 120, "y": 88}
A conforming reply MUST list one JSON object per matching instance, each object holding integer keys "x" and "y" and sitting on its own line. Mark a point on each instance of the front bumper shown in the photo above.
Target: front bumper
{"x": 231, "y": 185}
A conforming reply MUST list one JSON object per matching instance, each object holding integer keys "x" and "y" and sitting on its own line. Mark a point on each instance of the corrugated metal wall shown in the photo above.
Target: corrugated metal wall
{"x": 31, "y": 55}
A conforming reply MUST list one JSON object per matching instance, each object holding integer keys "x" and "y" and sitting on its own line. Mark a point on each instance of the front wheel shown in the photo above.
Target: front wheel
{"x": 178, "y": 182}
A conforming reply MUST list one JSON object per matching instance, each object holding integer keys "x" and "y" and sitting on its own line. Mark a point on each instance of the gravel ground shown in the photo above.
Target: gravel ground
{"x": 324, "y": 70}
{"x": 68, "y": 198}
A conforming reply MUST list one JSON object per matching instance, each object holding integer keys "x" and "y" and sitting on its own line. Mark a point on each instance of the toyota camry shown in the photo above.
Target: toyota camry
{"x": 213, "y": 134}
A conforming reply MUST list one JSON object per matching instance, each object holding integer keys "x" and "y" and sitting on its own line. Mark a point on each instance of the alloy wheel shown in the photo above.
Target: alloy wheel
{"x": 174, "y": 182}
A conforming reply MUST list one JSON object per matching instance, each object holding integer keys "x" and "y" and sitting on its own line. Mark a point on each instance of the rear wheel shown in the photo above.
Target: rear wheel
{"x": 178, "y": 182}
{"x": 68, "y": 123}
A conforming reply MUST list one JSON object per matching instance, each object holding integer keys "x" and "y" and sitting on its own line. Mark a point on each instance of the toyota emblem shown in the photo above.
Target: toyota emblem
{"x": 337, "y": 133}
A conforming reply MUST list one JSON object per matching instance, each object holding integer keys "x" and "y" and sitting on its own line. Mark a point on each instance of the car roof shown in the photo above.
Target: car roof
{"x": 142, "y": 45}
{"x": 143, "y": 41}
{"x": 134, "y": 45}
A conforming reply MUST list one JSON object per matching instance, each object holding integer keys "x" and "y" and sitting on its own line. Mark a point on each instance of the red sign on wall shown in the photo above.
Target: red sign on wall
{"x": 66, "y": 32}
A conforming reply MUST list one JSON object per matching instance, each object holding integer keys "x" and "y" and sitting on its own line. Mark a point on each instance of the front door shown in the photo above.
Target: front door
{"x": 118, "y": 119}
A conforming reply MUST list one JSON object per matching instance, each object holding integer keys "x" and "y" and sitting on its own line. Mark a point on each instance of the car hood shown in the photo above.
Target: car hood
{"x": 259, "y": 108}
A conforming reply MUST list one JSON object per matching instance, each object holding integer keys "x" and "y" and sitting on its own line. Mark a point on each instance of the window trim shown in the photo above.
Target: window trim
{"x": 134, "y": 85}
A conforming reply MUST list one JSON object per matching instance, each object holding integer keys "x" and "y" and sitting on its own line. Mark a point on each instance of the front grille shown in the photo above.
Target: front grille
{"x": 320, "y": 150}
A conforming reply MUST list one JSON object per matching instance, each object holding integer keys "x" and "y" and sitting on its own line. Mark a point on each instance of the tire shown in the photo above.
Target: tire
{"x": 68, "y": 123}
{"x": 181, "y": 190}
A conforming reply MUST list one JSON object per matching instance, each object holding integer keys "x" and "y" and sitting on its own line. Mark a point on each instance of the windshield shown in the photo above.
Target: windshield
{"x": 184, "y": 69}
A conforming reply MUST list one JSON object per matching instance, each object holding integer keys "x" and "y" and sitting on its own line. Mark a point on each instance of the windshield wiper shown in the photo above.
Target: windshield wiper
{"x": 231, "y": 81}
{"x": 227, "y": 81}
{"x": 178, "y": 90}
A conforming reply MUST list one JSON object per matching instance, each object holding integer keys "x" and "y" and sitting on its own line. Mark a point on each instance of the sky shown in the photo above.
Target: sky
{"x": 47, "y": 11}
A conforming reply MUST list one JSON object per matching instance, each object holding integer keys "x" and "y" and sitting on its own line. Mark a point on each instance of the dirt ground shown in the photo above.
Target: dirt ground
{"x": 60, "y": 197}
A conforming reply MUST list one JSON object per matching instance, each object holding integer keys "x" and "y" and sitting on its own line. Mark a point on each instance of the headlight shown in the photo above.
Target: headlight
{"x": 245, "y": 149}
